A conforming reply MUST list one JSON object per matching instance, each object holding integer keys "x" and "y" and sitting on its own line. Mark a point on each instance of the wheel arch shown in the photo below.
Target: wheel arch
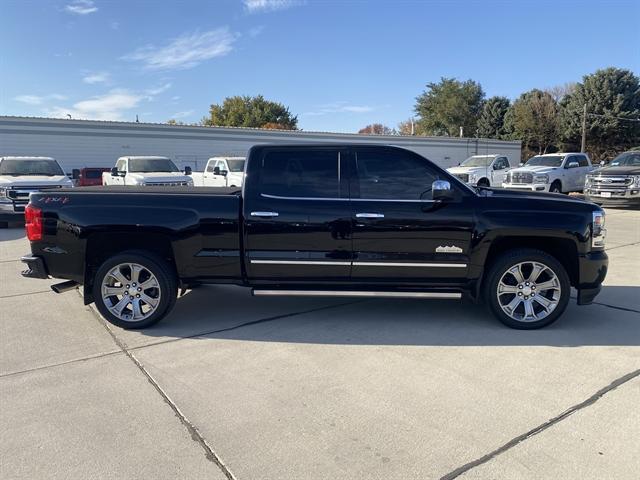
{"x": 104, "y": 245}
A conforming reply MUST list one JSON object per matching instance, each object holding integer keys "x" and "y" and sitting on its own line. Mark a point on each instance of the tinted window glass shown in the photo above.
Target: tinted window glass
{"x": 30, "y": 167}
{"x": 120, "y": 165}
{"x": 301, "y": 173}
{"x": 392, "y": 174}
{"x": 582, "y": 160}
{"x": 93, "y": 174}
{"x": 501, "y": 164}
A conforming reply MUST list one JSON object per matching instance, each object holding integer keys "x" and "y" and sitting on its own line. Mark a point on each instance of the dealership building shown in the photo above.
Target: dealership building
{"x": 89, "y": 143}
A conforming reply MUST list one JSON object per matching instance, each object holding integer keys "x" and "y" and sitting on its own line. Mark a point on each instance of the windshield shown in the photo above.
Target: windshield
{"x": 546, "y": 161}
{"x": 20, "y": 167}
{"x": 148, "y": 165}
{"x": 478, "y": 161}
{"x": 629, "y": 159}
{"x": 236, "y": 165}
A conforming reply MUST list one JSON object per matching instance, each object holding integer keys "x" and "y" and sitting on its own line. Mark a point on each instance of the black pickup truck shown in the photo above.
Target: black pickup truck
{"x": 321, "y": 220}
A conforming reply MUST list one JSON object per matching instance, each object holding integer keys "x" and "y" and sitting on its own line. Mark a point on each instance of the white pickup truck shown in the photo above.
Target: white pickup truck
{"x": 221, "y": 172}
{"x": 482, "y": 170}
{"x": 152, "y": 171}
{"x": 552, "y": 172}
{"x": 19, "y": 176}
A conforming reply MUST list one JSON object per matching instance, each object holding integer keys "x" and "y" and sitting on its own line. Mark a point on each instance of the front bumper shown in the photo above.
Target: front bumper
{"x": 593, "y": 270}
{"x": 35, "y": 267}
{"x": 628, "y": 197}
{"x": 11, "y": 212}
{"x": 531, "y": 187}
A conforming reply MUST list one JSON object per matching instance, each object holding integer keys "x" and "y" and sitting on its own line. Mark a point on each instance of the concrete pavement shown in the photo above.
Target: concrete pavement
{"x": 231, "y": 386}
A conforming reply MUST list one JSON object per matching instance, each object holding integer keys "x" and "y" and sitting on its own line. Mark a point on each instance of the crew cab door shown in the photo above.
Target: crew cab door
{"x": 210, "y": 178}
{"x": 297, "y": 216}
{"x": 578, "y": 174}
{"x": 499, "y": 171}
{"x": 400, "y": 234}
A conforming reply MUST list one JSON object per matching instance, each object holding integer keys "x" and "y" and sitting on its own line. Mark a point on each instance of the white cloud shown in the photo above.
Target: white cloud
{"x": 152, "y": 92}
{"x": 186, "y": 51}
{"x": 257, "y": 6}
{"x": 97, "y": 77}
{"x": 81, "y": 7}
{"x": 186, "y": 113}
{"x": 339, "y": 107}
{"x": 38, "y": 99}
{"x": 110, "y": 106}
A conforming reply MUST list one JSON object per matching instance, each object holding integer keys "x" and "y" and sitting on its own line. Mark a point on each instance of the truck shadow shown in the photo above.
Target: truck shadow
{"x": 231, "y": 313}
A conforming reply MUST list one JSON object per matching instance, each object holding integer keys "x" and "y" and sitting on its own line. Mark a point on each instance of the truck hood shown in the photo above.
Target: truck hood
{"x": 500, "y": 194}
{"x": 604, "y": 171}
{"x": 461, "y": 169}
{"x": 35, "y": 181}
{"x": 160, "y": 177}
{"x": 536, "y": 169}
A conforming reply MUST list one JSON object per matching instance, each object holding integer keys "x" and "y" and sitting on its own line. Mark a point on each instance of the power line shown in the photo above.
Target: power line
{"x": 613, "y": 117}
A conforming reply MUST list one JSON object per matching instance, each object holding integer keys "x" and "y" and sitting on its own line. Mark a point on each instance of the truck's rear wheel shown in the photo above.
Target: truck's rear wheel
{"x": 134, "y": 290}
{"x": 483, "y": 182}
{"x": 527, "y": 289}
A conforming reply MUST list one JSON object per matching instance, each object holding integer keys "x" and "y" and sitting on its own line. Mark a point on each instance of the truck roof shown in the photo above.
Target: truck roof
{"x": 26, "y": 158}
{"x": 146, "y": 157}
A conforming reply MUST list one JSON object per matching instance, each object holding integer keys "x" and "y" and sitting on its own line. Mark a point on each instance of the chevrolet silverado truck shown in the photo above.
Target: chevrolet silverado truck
{"x": 616, "y": 184}
{"x": 19, "y": 176}
{"x": 147, "y": 171}
{"x": 325, "y": 220}
{"x": 552, "y": 172}
{"x": 482, "y": 170}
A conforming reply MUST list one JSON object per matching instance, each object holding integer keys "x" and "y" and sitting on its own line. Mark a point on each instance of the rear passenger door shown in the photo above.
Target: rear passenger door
{"x": 400, "y": 234}
{"x": 297, "y": 217}
{"x": 499, "y": 173}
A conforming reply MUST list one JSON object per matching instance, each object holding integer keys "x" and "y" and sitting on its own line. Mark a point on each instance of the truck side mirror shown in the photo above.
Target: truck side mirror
{"x": 114, "y": 172}
{"x": 573, "y": 165}
{"x": 442, "y": 191}
{"x": 188, "y": 171}
{"x": 75, "y": 173}
{"x": 602, "y": 163}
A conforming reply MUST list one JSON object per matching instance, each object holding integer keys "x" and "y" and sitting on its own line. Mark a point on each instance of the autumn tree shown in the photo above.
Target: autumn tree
{"x": 246, "y": 111}
{"x": 491, "y": 121}
{"x": 533, "y": 118}
{"x": 446, "y": 106}
{"x": 376, "y": 129}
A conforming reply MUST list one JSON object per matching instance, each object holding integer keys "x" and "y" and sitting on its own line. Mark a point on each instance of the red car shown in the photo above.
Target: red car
{"x": 87, "y": 177}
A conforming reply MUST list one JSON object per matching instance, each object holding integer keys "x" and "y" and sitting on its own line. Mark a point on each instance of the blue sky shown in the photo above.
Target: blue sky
{"x": 338, "y": 65}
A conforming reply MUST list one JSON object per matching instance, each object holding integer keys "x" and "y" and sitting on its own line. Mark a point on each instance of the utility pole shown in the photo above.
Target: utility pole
{"x": 584, "y": 129}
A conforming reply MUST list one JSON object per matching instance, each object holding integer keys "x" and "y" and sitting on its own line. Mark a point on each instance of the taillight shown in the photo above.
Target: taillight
{"x": 33, "y": 223}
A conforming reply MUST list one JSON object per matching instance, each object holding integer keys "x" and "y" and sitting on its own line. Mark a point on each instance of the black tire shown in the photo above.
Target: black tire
{"x": 512, "y": 258}
{"x": 556, "y": 187}
{"x": 167, "y": 286}
{"x": 483, "y": 182}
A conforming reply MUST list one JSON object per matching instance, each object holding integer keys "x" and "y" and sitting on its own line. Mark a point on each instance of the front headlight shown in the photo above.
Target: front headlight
{"x": 636, "y": 180}
{"x": 541, "y": 178}
{"x": 587, "y": 182}
{"x": 508, "y": 179}
{"x": 3, "y": 193}
{"x": 598, "y": 232}
{"x": 472, "y": 177}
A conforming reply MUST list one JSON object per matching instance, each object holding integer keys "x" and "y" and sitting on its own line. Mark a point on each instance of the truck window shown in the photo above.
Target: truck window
{"x": 501, "y": 164}
{"x": 304, "y": 173}
{"x": 391, "y": 174}
{"x": 121, "y": 165}
{"x": 582, "y": 160}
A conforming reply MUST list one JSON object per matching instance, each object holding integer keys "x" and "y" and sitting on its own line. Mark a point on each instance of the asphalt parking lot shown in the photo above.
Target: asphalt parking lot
{"x": 231, "y": 386}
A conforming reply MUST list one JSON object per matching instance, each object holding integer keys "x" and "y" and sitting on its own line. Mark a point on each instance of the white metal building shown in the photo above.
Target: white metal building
{"x": 88, "y": 143}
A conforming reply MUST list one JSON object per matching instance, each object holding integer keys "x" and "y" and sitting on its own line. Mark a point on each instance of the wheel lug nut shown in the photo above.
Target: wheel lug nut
{"x": 519, "y": 294}
{"x": 126, "y": 293}
{"x": 520, "y": 287}
{"x": 138, "y": 296}
{"x": 139, "y": 289}
{"x": 128, "y": 286}
{"x": 131, "y": 297}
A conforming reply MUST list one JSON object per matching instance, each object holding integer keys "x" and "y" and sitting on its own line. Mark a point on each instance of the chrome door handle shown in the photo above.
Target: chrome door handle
{"x": 264, "y": 214}
{"x": 369, "y": 215}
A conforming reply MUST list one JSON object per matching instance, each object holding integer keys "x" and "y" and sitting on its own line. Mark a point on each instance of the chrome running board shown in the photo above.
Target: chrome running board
{"x": 353, "y": 293}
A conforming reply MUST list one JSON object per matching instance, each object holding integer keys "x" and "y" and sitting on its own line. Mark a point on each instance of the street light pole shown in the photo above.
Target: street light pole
{"x": 584, "y": 129}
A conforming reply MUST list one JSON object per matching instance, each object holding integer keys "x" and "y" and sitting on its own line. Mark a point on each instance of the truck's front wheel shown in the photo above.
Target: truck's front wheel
{"x": 134, "y": 289}
{"x": 527, "y": 289}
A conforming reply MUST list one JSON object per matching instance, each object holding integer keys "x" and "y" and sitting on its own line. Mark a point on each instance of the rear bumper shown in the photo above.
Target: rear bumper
{"x": 35, "y": 267}
{"x": 593, "y": 270}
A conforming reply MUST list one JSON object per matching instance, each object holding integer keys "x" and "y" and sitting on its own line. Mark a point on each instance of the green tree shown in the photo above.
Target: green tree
{"x": 533, "y": 118}
{"x": 246, "y": 111}
{"x": 446, "y": 106}
{"x": 491, "y": 121}
{"x": 612, "y": 97}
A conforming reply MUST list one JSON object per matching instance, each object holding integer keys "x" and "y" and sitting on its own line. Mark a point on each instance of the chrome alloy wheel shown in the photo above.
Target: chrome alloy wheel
{"x": 130, "y": 292}
{"x": 528, "y": 291}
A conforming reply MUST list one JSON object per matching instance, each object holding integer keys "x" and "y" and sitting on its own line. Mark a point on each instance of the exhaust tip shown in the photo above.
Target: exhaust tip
{"x": 64, "y": 286}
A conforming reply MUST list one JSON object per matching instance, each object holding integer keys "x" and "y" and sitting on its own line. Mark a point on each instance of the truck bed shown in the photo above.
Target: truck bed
{"x": 154, "y": 190}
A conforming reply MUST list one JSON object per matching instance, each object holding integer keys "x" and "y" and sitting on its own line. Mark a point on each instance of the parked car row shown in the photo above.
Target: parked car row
{"x": 617, "y": 183}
